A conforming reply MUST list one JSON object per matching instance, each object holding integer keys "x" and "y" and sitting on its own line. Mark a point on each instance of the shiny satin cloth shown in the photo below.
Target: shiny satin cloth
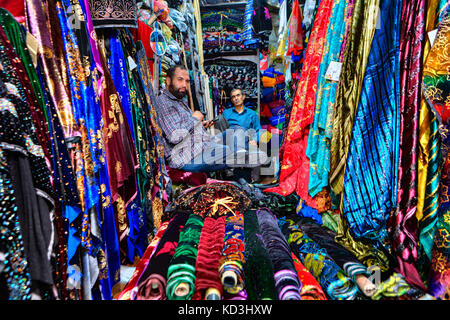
{"x": 294, "y": 171}
{"x": 350, "y": 81}
{"x": 370, "y": 179}
{"x": 402, "y": 223}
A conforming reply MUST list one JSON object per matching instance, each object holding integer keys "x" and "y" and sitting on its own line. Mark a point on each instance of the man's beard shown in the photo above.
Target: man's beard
{"x": 176, "y": 92}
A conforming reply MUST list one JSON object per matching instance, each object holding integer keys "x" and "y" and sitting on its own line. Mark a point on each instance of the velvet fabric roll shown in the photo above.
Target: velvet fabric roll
{"x": 182, "y": 265}
{"x": 152, "y": 284}
{"x": 258, "y": 269}
{"x": 311, "y": 289}
{"x": 231, "y": 270}
{"x": 332, "y": 279}
{"x": 287, "y": 284}
{"x": 209, "y": 252}
{"x": 130, "y": 290}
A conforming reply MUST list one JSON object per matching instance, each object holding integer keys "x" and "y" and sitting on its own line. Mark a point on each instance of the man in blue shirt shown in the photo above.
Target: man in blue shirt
{"x": 244, "y": 122}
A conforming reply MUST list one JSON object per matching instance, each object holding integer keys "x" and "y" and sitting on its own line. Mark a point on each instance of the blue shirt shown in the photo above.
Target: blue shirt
{"x": 247, "y": 119}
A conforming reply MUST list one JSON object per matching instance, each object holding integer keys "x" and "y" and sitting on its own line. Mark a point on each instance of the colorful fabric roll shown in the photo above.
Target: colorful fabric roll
{"x": 287, "y": 284}
{"x": 231, "y": 270}
{"x": 258, "y": 269}
{"x": 395, "y": 286}
{"x": 332, "y": 279}
{"x": 114, "y": 13}
{"x": 152, "y": 284}
{"x": 182, "y": 264}
{"x": 130, "y": 290}
{"x": 311, "y": 289}
{"x": 208, "y": 257}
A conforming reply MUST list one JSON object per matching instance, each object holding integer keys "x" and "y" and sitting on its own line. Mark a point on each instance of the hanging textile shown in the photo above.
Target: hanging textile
{"x": 294, "y": 170}
{"x": 181, "y": 271}
{"x": 208, "y": 258}
{"x": 370, "y": 178}
{"x": 152, "y": 284}
{"x": 232, "y": 261}
{"x": 295, "y": 40}
{"x": 349, "y": 89}
{"x": 113, "y": 13}
{"x": 402, "y": 223}
{"x": 332, "y": 279}
{"x": 287, "y": 284}
{"x": 318, "y": 150}
{"x": 258, "y": 268}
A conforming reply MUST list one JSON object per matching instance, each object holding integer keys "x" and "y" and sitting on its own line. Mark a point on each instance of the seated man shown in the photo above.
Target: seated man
{"x": 187, "y": 145}
{"x": 246, "y": 125}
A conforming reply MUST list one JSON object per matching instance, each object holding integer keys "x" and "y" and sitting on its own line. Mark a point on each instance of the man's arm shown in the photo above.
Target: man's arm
{"x": 172, "y": 122}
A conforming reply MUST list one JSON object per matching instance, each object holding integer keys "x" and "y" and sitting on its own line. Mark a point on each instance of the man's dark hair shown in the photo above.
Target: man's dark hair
{"x": 236, "y": 88}
{"x": 171, "y": 71}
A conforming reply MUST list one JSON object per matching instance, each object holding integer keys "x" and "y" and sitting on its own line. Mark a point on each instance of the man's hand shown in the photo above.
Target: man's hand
{"x": 207, "y": 123}
{"x": 253, "y": 143}
{"x": 198, "y": 115}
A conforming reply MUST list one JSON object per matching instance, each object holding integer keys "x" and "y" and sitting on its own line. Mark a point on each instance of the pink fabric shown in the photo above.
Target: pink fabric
{"x": 191, "y": 178}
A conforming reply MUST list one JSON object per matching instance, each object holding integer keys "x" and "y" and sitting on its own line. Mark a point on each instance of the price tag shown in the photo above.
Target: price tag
{"x": 333, "y": 71}
{"x": 131, "y": 63}
{"x": 32, "y": 45}
{"x": 432, "y": 36}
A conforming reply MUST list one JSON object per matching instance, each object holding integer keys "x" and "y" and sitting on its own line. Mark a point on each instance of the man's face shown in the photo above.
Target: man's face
{"x": 179, "y": 83}
{"x": 237, "y": 98}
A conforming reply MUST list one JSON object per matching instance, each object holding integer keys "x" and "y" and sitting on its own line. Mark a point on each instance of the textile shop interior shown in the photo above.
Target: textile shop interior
{"x": 347, "y": 100}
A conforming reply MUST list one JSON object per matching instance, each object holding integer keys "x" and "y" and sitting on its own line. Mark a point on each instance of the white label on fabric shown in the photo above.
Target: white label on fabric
{"x": 32, "y": 45}
{"x": 432, "y": 36}
{"x": 333, "y": 71}
{"x": 131, "y": 63}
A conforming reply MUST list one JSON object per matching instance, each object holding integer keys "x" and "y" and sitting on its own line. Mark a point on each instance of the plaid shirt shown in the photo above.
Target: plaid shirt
{"x": 184, "y": 136}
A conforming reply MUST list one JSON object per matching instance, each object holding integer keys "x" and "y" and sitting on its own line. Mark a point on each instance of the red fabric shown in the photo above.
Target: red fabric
{"x": 208, "y": 257}
{"x": 311, "y": 289}
{"x": 15, "y": 7}
{"x": 294, "y": 172}
{"x": 295, "y": 45}
{"x": 265, "y": 112}
{"x": 191, "y": 178}
{"x": 276, "y": 104}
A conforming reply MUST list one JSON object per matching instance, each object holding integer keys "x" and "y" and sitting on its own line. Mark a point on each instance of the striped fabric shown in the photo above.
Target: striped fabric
{"x": 370, "y": 180}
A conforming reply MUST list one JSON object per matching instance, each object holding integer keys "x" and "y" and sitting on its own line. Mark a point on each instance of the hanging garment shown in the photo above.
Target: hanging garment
{"x": 208, "y": 258}
{"x": 113, "y": 13}
{"x": 402, "y": 223}
{"x": 332, "y": 279}
{"x": 311, "y": 289}
{"x": 370, "y": 178}
{"x": 294, "y": 172}
{"x": 152, "y": 284}
{"x": 232, "y": 261}
{"x": 258, "y": 268}
{"x": 181, "y": 271}
{"x": 130, "y": 290}
{"x": 295, "y": 39}
{"x": 287, "y": 284}
{"x": 318, "y": 148}
{"x": 350, "y": 82}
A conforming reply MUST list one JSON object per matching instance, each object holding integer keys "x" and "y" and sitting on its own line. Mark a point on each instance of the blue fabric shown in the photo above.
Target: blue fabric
{"x": 370, "y": 181}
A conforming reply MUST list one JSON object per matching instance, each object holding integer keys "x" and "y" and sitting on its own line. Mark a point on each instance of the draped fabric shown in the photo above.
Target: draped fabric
{"x": 332, "y": 279}
{"x": 295, "y": 40}
{"x": 402, "y": 223}
{"x": 152, "y": 284}
{"x": 208, "y": 257}
{"x": 287, "y": 284}
{"x": 318, "y": 150}
{"x": 258, "y": 268}
{"x": 182, "y": 265}
{"x": 294, "y": 171}
{"x": 370, "y": 179}
{"x": 350, "y": 82}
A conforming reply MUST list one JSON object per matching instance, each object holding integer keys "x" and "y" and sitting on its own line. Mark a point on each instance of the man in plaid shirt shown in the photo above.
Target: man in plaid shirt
{"x": 187, "y": 145}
